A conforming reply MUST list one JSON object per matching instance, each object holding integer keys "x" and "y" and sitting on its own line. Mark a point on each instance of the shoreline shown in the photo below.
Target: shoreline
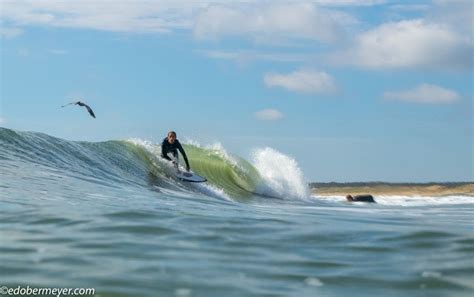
{"x": 387, "y": 189}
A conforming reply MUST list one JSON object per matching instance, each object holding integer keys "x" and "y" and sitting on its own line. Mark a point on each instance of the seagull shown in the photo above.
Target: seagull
{"x": 82, "y": 104}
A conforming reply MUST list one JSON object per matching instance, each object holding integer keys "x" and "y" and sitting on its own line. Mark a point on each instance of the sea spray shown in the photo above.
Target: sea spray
{"x": 280, "y": 174}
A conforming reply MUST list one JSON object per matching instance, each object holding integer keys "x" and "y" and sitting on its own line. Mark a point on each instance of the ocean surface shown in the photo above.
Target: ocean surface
{"x": 111, "y": 216}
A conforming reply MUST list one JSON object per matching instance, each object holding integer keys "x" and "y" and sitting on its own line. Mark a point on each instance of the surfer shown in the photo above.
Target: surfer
{"x": 361, "y": 198}
{"x": 171, "y": 145}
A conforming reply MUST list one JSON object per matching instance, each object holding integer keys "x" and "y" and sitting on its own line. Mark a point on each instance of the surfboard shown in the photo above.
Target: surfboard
{"x": 183, "y": 175}
{"x": 190, "y": 177}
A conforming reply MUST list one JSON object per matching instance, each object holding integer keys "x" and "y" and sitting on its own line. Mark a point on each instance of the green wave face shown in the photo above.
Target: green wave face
{"x": 118, "y": 161}
{"x": 237, "y": 177}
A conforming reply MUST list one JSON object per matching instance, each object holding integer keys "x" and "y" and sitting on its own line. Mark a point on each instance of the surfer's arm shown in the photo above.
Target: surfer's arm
{"x": 180, "y": 148}
{"x": 166, "y": 157}
{"x": 164, "y": 151}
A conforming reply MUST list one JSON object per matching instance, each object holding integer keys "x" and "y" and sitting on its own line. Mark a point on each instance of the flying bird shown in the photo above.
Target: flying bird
{"x": 82, "y": 104}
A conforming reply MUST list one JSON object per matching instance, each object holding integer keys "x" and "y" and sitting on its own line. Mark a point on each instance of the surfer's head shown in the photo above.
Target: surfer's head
{"x": 349, "y": 198}
{"x": 171, "y": 137}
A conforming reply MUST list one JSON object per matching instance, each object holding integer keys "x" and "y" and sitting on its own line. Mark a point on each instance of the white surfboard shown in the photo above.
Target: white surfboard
{"x": 190, "y": 177}
{"x": 183, "y": 175}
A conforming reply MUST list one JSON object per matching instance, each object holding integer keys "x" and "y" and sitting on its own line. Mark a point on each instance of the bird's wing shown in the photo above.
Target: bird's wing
{"x": 69, "y": 104}
{"x": 90, "y": 110}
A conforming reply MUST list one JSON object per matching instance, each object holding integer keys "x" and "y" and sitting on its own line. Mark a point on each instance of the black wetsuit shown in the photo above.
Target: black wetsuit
{"x": 364, "y": 198}
{"x": 167, "y": 147}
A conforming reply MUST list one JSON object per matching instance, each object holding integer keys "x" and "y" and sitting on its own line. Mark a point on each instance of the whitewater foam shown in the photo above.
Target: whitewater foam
{"x": 213, "y": 191}
{"x": 399, "y": 200}
{"x": 280, "y": 174}
{"x": 150, "y": 146}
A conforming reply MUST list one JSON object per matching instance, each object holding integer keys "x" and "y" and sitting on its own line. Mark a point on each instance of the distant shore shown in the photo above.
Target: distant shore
{"x": 402, "y": 189}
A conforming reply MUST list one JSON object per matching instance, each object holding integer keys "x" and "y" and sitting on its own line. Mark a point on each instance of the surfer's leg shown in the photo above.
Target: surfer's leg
{"x": 175, "y": 160}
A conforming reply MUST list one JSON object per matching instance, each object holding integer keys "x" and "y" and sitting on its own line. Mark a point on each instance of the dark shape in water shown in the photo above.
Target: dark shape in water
{"x": 361, "y": 198}
{"x": 83, "y": 104}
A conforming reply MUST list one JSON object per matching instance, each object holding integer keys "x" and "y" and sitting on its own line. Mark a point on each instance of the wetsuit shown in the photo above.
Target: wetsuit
{"x": 167, "y": 147}
{"x": 364, "y": 198}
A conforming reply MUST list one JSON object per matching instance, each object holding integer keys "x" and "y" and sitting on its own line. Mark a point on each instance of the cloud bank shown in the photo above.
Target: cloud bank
{"x": 141, "y": 16}
{"x": 425, "y": 93}
{"x": 271, "y": 22}
{"x": 409, "y": 44}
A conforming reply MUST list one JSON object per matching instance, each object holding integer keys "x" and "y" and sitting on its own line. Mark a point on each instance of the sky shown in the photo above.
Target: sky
{"x": 353, "y": 90}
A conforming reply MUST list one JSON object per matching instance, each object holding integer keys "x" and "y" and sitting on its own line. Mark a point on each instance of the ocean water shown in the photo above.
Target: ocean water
{"x": 110, "y": 216}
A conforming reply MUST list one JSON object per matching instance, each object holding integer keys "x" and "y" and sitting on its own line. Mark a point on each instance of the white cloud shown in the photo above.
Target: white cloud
{"x": 208, "y": 19}
{"x": 304, "y": 81}
{"x": 140, "y": 16}
{"x": 269, "y": 115}
{"x": 424, "y": 93}
{"x": 405, "y": 44}
{"x": 275, "y": 22}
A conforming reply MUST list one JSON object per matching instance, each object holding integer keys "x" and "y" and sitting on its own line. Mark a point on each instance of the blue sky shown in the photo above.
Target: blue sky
{"x": 353, "y": 90}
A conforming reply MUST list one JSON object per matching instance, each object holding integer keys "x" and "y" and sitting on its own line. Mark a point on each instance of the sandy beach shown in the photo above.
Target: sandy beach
{"x": 431, "y": 189}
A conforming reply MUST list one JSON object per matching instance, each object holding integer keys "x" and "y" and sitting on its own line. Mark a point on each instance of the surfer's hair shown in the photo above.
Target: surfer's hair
{"x": 172, "y": 132}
